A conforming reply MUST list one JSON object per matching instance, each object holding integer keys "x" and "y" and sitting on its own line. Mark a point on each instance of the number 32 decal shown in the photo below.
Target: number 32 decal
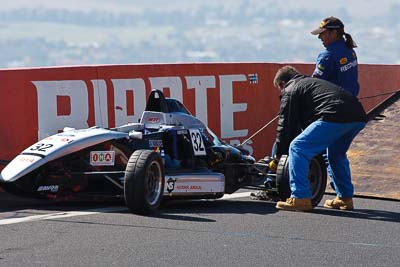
{"x": 41, "y": 147}
{"x": 197, "y": 142}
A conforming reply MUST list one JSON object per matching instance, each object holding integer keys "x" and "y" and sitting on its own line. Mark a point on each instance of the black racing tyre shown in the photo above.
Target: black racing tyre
{"x": 144, "y": 182}
{"x": 282, "y": 178}
{"x": 317, "y": 177}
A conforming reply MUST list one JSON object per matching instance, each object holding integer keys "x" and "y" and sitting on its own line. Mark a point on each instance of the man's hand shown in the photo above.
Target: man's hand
{"x": 271, "y": 162}
{"x": 273, "y": 165}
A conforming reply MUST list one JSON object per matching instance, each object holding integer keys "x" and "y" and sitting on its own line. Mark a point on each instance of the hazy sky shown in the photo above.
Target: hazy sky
{"x": 356, "y": 8}
{"x": 368, "y": 21}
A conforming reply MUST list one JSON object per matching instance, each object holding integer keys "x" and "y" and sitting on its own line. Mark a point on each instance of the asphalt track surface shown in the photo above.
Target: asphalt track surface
{"x": 236, "y": 231}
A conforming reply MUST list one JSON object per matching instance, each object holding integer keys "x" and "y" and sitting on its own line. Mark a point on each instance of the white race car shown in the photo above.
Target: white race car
{"x": 169, "y": 154}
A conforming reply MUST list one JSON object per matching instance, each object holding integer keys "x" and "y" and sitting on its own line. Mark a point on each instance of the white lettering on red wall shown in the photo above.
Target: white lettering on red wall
{"x": 100, "y": 102}
{"x": 173, "y": 83}
{"x": 228, "y": 107}
{"x": 200, "y": 84}
{"x": 50, "y": 120}
{"x": 137, "y": 87}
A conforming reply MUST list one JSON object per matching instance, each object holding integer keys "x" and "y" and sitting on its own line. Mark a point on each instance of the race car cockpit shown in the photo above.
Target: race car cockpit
{"x": 158, "y": 103}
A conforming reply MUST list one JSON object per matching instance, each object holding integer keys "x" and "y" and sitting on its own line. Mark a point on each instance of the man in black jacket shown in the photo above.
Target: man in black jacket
{"x": 328, "y": 118}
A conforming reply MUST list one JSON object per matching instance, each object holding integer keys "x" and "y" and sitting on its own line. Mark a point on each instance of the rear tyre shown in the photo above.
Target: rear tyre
{"x": 317, "y": 177}
{"x": 144, "y": 182}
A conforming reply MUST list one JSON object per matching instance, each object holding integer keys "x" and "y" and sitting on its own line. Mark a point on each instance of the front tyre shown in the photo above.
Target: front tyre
{"x": 317, "y": 177}
{"x": 144, "y": 182}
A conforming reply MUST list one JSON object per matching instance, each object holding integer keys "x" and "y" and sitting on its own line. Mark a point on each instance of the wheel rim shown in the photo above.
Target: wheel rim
{"x": 314, "y": 177}
{"x": 153, "y": 182}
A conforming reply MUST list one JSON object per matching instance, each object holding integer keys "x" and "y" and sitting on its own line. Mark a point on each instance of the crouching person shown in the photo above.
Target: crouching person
{"x": 330, "y": 118}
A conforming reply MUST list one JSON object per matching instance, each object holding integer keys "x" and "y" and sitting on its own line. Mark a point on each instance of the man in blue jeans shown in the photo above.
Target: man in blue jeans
{"x": 330, "y": 118}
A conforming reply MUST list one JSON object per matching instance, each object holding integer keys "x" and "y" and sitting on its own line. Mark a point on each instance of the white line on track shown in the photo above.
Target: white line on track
{"x": 236, "y": 195}
{"x": 67, "y": 214}
{"x": 59, "y": 215}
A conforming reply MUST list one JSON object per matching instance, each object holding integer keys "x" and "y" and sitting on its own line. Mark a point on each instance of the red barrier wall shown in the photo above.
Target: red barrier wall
{"x": 234, "y": 99}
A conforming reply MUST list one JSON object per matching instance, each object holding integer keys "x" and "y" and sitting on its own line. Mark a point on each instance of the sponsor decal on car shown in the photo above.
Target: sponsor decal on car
{"x": 59, "y": 138}
{"x": 65, "y": 134}
{"x": 174, "y": 185}
{"x": 188, "y": 187}
{"x": 28, "y": 158}
{"x": 48, "y": 188}
{"x": 155, "y": 143}
{"x": 181, "y": 132}
{"x": 153, "y": 120}
{"x": 102, "y": 158}
{"x": 171, "y": 185}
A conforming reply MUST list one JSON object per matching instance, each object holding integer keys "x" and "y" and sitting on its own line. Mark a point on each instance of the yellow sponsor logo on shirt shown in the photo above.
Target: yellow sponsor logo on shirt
{"x": 343, "y": 60}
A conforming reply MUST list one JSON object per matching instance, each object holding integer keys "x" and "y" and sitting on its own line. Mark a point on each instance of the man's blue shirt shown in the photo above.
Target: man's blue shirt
{"x": 338, "y": 64}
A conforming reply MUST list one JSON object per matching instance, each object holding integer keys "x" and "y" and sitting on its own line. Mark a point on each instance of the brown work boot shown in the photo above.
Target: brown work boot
{"x": 339, "y": 203}
{"x": 295, "y": 204}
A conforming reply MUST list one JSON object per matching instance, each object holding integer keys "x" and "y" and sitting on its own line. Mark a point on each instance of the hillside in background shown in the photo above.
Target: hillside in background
{"x": 46, "y": 33}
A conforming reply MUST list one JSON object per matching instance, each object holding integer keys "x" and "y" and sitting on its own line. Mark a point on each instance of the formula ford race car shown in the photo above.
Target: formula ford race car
{"x": 169, "y": 154}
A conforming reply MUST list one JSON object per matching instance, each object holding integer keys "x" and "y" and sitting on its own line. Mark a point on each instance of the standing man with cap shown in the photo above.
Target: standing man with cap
{"x": 338, "y": 63}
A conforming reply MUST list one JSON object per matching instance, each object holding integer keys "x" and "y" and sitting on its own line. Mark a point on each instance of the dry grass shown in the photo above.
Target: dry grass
{"x": 374, "y": 156}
